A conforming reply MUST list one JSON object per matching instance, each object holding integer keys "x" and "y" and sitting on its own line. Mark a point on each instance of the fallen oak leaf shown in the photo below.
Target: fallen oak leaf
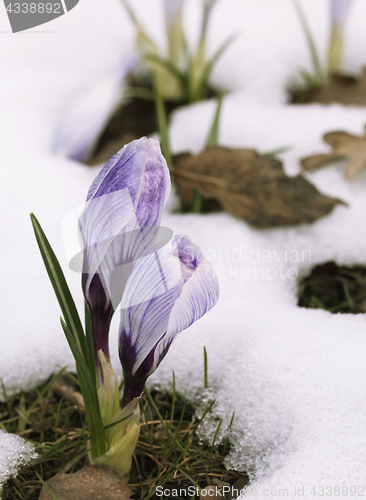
{"x": 345, "y": 147}
{"x": 250, "y": 186}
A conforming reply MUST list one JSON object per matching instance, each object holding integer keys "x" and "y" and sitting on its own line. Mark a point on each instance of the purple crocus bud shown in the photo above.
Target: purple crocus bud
{"x": 165, "y": 294}
{"x": 339, "y": 12}
{"x": 120, "y": 224}
{"x": 172, "y": 10}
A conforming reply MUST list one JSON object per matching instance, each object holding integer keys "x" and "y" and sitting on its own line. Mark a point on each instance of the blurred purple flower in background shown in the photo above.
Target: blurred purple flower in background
{"x": 339, "y": 12}
{"x": 83, "y": 122}
{"x": 172, "y": 10}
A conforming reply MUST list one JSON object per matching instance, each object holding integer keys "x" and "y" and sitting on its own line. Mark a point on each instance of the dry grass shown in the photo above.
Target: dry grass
{"x": 168, "y": 453}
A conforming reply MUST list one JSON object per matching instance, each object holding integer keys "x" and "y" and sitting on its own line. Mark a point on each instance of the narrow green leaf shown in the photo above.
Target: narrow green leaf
{"x": 278, "y": 151}
{"x": 163, "y": 126}
{"x": 212, "y": 62}
{"x": 208, "y": 408}
{"x": 213, "y": 134}
{"x": 215, "y": 436}
{"x": 59, "y": 284}
{"x": 173, "y": 403}
{"x": 45, "y": 389}
{"x": 90, "y": 394}
{"x": 166, "y": 64}
{"x": 205, "y": 365}
{"x": 197, "y": 199}
{"x": 138, "y": 93}
{"x": 47, "y": 487}
{"x": 163, "y": 422}
{"x": 130, "y": 12}
{"x": 317, "y": 66}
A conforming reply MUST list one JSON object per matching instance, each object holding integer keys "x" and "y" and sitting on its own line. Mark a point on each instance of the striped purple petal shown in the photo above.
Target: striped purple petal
{"x": 165, "y": 294}
{"x": 339, "y": 11}
{"x": 119, "y": 225}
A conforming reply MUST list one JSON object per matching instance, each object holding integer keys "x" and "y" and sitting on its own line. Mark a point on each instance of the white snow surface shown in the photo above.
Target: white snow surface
{"x": 294, "y": 377}
{"x": 14, "y": 453}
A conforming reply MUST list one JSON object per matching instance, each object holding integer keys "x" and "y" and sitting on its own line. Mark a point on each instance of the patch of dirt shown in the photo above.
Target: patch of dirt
{"x": 133, "y": 119}
{"x": 335, "y": 289}
{"x": 341, "y": 88}
{"x": 169, "y": 454}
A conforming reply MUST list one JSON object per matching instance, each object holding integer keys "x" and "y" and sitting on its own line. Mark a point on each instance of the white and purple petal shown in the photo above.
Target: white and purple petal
{"x": 119, "y": 225}
{"x": 124, "y": 208}
{"x": 200, "y": 291}
{"x": 165, "y": 294}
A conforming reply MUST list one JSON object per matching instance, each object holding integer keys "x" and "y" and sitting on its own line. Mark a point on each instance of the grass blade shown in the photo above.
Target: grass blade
{"x": 168, "y": 66}
{"x": 212, "y": 62}
{"x": 47, "y": 487}
{"x": 318, "y": 71}
{"x": 205, "y": 366}
{"x": 213, "y": 134}
{"x": 163, "y": 126}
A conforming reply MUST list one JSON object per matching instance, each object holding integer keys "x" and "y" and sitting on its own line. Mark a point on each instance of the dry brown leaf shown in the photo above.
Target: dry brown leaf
{"x": 251, "y": 187}
{"x": 345, "y": 146}
{"x": 90, "y": 483}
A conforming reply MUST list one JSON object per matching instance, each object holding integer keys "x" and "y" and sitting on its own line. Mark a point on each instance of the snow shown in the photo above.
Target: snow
{"x": 294, "y": 377}
{"x": 15, "y": 452}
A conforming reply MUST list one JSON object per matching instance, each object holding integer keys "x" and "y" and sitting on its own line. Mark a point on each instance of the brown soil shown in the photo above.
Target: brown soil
{"x": 335, "y": 289}
{"x": 134, "y": 118}
{"x": 341, "y": 88}
{"x": 45, "y": 417}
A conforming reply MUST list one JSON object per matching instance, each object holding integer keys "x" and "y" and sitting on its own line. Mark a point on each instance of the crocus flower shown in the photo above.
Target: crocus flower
{"x": 165, "y": 294}
{"x": 339, "y": 12}
{"x": 173, "y": 11}
{"x": 120, "y": 225}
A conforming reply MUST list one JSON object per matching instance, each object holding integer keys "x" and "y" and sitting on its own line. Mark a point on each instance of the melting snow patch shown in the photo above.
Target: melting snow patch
{"x": 15, "y": 453}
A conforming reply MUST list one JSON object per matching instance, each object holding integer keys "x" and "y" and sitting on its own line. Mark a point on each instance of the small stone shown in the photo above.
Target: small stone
{"x": 237, "y": 487}
{"x": 90, "y": 483}
{"x": 212, "y": 492}
{"x": 160, "y": 434}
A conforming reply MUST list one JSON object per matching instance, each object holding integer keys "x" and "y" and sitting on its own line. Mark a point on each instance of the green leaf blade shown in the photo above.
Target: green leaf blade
{"x": 59, "y": 284}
